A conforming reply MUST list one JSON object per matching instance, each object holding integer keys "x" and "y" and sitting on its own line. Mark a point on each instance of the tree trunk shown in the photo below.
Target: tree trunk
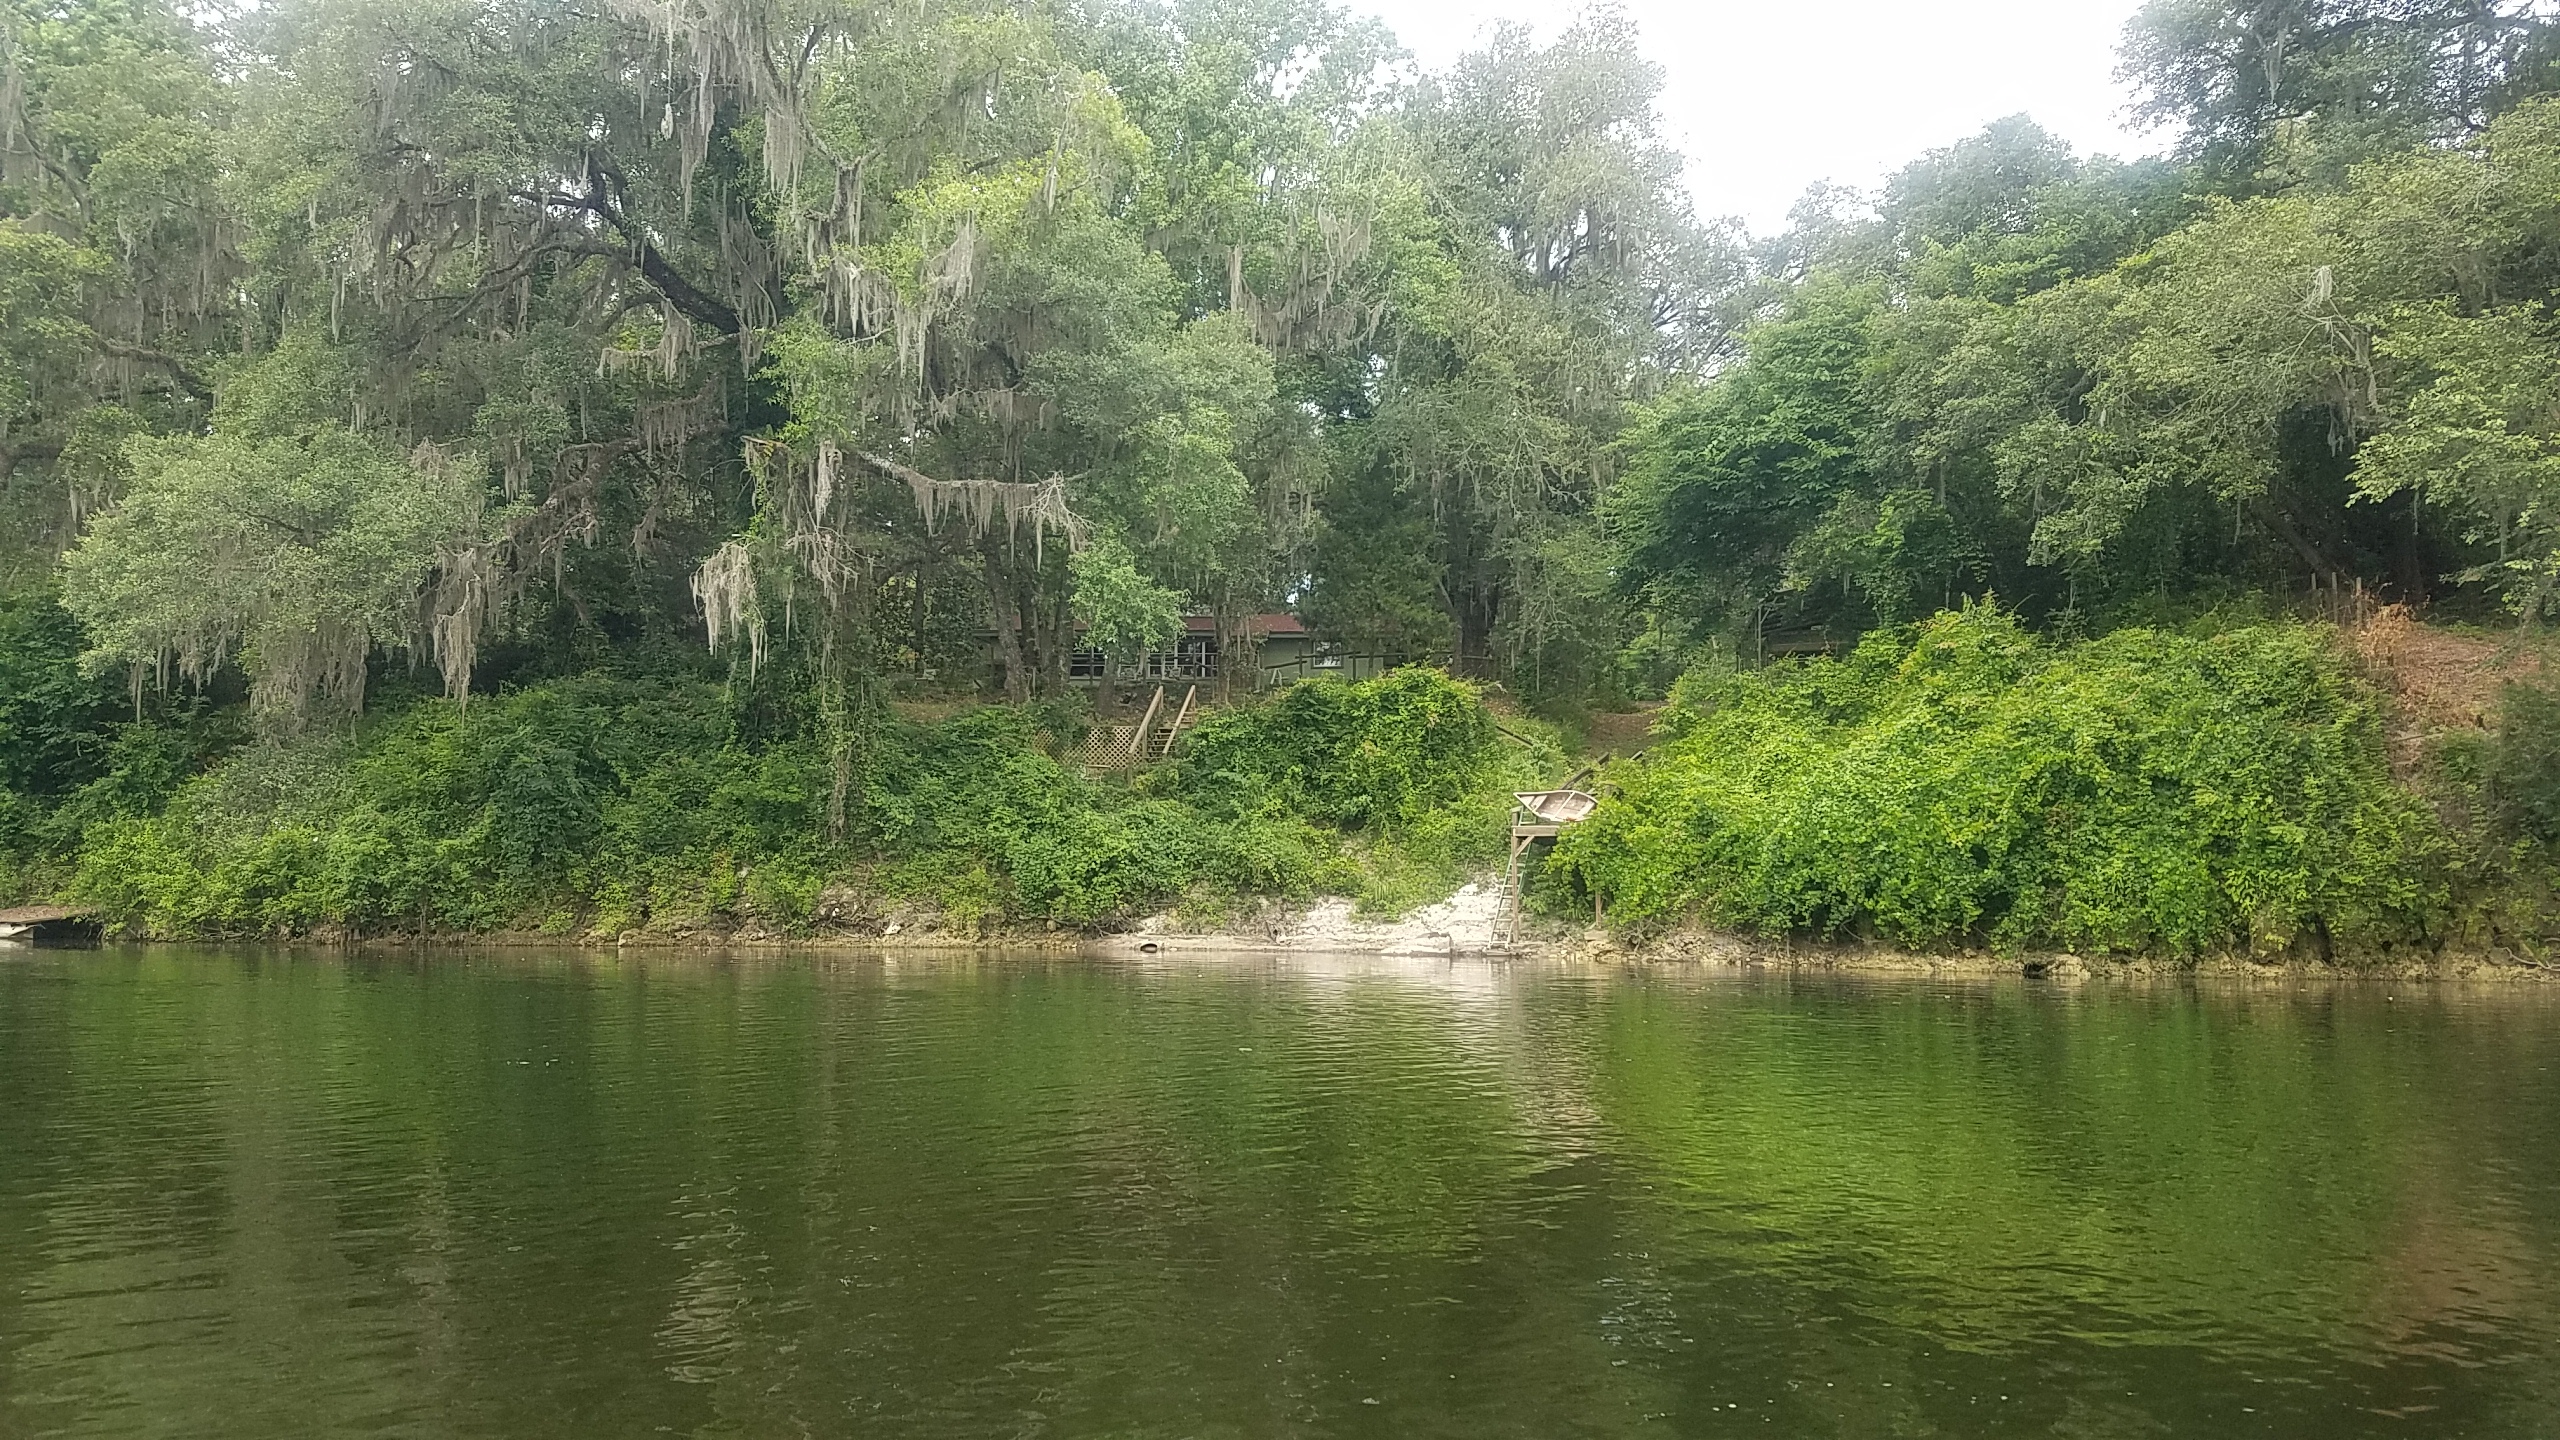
{"x": 1239, "y": 657}
{"x": 1471, "y": 587}
{"x": 924, "y": 616}
{"x": 1058, "y": 643}
{"x": 1008, "y": 623}
{"x": 1044, "y": 672}
{"x": 1473, "y": 612}
{"x": 2413, "y": 560}
{"x": 2280, "y": 524}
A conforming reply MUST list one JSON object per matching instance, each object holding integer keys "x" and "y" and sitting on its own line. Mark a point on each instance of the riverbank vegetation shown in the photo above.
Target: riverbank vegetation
{"x": 606, "y": 805}
{"x": 467, "y": 465}
{"x": 1961, "y": 781}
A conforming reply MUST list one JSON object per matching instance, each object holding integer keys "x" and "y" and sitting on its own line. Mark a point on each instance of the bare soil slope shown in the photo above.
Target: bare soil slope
{"x": 2439, "y": 679}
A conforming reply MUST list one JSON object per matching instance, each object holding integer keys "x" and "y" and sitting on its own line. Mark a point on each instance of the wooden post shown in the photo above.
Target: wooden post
{"x": 1176, "y": 732}
{"x": 1147, "y": 726}
{"x": 1511, "y": 889}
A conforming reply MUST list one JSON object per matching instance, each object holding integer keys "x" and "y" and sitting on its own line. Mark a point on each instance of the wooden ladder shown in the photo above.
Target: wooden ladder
{"x": 1506, "y": 914}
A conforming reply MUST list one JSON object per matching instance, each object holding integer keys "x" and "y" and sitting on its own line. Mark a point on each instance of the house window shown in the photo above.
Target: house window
{"x": 1087, "y": 665}
{"x": 1193, "y": 657}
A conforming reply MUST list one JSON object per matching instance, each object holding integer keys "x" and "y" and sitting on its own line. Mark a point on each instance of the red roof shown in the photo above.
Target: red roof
{"x": 1260, "y": 627}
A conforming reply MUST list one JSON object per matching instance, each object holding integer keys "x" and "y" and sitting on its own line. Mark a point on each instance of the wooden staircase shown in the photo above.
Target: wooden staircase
{"x": 1122, "y": 746}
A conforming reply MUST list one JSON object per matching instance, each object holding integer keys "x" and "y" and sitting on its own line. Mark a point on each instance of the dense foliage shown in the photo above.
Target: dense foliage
{"x": 1962, "y": 781}
{"x": 2315, "y": 349}
{"x": 397, "y": 395}
{"x": 1378, "y": 755}
{"x": 600, "y": 805}
{"x": 497, "y": 331}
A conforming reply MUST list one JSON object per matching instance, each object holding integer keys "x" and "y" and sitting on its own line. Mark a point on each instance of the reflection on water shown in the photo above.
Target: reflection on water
{"x": 261, "y": 1193}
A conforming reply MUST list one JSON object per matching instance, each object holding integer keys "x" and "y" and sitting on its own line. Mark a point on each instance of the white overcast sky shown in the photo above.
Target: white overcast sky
{"x": 1768, "y": 98}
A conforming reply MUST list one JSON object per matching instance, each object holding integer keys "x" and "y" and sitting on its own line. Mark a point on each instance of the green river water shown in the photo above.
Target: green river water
{"x": 272, "y": 1193}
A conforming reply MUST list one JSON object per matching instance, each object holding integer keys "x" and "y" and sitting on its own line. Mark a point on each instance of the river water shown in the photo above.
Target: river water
{"x": 268, "y": 1193}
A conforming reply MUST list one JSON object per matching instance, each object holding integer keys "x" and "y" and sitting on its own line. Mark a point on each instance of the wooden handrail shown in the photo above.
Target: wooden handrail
{"x": 1179, "y": 721}
{"x": 1147, "y": 726}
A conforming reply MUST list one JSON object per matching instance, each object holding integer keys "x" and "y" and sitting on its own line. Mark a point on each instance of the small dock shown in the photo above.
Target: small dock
{"x": 1538, "y": 815}
{"x": 49, "y": 925}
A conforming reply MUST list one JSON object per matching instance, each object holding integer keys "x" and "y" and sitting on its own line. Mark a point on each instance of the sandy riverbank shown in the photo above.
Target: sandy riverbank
{"x": 1467, "y": 926}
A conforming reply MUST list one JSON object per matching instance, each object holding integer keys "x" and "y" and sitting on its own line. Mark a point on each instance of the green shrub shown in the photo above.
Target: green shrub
{"x": 1376, "y": 755}
{"x": 1409, "y": 767}
{"x": 1278, "y": 857}
{"x": 72, "y": 752}
{"x": 55, "y": 718}
{"x": 2521, "y": 770}
{"x": 1961, "y": 781}
{"x": 1101, "y": 863}
{"x": 617, "y": 803}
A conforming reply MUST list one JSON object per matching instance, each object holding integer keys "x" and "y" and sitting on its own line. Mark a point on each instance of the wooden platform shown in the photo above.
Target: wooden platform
{"x": 1539, "y": 815}
{"x": 48, "y": 922}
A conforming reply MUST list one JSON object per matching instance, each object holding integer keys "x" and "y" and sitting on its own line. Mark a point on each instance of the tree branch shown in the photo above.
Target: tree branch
{"x": 11, "y": 455}
{"x": 177, "y": 369}
{"x": 698, "y": 305}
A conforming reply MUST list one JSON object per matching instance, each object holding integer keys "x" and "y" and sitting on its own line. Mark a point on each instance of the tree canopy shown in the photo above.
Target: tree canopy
{"x": 2304, "y": 351}
{"x": 840, "y": 327}
{"x": 863, "y": 340}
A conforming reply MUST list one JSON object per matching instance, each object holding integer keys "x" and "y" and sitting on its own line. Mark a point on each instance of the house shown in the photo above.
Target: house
{"x": 1279, "y": 650}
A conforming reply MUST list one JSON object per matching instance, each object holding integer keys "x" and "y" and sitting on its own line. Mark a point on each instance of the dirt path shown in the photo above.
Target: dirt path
{"x": 2439, "y": 680}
